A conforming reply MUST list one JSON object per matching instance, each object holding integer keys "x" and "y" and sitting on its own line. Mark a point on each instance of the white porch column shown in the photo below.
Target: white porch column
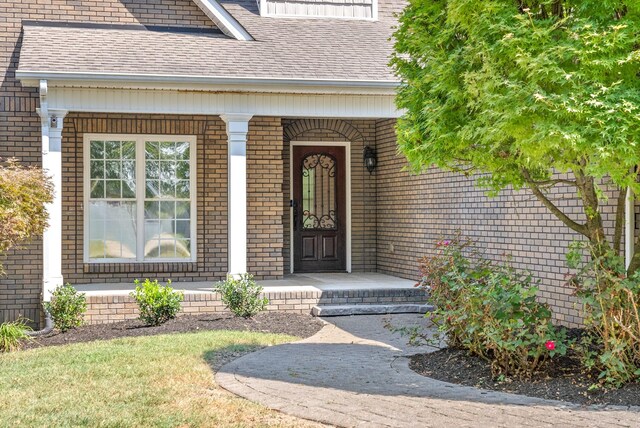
{"x": 51, "y": 125}
{"x": 237, "y": 128}
{"x": 629, "y": 227}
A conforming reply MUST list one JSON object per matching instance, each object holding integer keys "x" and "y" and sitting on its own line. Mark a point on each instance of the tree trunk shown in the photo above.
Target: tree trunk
{"x": 595, "y": 228}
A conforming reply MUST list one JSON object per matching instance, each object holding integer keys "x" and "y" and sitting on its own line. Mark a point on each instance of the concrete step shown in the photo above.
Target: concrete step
{"x": 347, "y": 310}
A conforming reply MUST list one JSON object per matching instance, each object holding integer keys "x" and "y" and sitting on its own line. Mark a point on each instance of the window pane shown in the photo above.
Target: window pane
{"x": 129, "y": 189}
{"x": 167, "y": 150}
{"x": 183, "y": 229}
{"x": 129, "y": 150}
{"x": 97, "y": 169}
{"x": 96, "y": 149}
{"x": 182, "y": 189}
{"x": 113, "y": 189}
{"x": 167, "y": 170}
{"x": 152, "y": 189}
{"x": 183, "y": 210}
{"x": 167, "y": 221}
{"x": 129, "y": 170}
{"x": 151, "y": 150}
{"x": 182, "y": 170}
{"x": 112, "y": 230}
{"x": 167, "y": 210}
{"x": 112, "y": 169}
{"x": 151, "y": 210}
{"x": 182, "y": 151}
{"x": 112, "y": 149}
{"x": 167, "y": 189}
{"x": 97, "y": 189}
{"x": 152, "y": 169}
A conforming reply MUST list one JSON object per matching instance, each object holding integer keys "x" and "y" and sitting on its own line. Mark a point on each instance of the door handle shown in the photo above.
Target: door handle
{"x": 294, "y": 205}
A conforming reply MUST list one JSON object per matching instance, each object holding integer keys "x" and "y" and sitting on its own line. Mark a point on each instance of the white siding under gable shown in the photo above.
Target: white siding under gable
{"x": 349, "y": 9}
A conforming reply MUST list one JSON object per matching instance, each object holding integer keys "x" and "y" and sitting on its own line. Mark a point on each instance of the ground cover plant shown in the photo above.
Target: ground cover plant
{"x": 242, "y": 295}
{"x": 67, "y": 307}
{"x": 157, "y": 303}
{"x": 490, "y": 310}
{"x": 13, "y": 334}
{"x": 162, "y": 381}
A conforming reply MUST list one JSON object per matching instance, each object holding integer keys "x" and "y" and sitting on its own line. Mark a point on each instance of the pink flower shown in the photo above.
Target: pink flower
{"x": 446, "y": 242}
{"x": 550, "y": 345}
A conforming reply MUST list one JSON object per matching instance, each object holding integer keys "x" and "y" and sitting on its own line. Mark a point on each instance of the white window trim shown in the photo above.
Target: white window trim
{"x": 140, "y": 189}
{"x": 347, "y": 161}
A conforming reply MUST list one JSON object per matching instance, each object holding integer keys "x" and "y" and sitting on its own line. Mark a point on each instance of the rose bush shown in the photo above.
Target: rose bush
{"x": 490, "y": 309}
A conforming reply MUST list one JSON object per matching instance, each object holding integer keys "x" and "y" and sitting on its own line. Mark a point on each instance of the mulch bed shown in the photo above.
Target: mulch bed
{"x": 266, "y": 322}
{"x": 563, "y": 380}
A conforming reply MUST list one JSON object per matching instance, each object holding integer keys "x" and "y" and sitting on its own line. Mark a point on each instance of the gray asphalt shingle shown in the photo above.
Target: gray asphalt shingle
{"x": 283, "y": 48}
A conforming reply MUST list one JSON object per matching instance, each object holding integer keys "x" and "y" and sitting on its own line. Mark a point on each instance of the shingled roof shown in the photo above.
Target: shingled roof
{"x": 283, "y": 48}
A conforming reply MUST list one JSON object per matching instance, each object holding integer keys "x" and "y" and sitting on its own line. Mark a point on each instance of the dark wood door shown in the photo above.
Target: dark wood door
{"x": 319, "y": 209}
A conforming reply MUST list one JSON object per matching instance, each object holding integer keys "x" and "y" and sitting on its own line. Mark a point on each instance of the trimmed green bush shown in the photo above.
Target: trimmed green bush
{"x": 157, "y": 303}
{"x": 13, "y": 334}
{"x": 242, "y": 295}
{"x": 67, "y": 307}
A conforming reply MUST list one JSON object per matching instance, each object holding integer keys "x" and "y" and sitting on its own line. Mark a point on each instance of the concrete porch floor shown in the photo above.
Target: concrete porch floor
{"x": 313, "y": 282}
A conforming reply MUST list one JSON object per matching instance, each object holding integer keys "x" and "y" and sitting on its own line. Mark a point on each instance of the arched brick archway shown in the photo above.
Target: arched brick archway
{"x": 345, "y": 129}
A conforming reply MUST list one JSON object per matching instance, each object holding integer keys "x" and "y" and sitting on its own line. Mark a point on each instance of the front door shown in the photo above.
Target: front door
{"x": 319, "y": 212}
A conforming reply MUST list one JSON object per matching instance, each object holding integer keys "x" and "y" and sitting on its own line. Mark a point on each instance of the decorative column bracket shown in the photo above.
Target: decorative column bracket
{"x": 237, "y": 129}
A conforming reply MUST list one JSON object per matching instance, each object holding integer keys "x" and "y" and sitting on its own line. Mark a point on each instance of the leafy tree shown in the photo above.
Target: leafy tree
{"x": 527, "y": 93}
{"x": 24, "y": 191}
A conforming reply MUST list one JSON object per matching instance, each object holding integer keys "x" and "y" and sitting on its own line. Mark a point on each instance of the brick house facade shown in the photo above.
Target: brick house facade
{"x": 261, "y": 100}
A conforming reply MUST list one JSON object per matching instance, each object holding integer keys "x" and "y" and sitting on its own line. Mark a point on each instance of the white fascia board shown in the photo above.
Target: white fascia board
{"x": 205, "y": 83}
{"x": 223, "y": 19}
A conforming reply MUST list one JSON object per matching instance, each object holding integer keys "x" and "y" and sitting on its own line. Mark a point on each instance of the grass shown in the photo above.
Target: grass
{"x": 157, "y": 381}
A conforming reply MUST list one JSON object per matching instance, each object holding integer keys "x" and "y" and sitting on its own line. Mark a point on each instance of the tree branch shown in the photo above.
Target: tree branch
{"x": 553, "y": 182}
{"x": 581, "y": 229}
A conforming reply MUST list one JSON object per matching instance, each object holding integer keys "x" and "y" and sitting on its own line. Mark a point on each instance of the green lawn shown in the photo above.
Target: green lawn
{"x": 160, "y": 381}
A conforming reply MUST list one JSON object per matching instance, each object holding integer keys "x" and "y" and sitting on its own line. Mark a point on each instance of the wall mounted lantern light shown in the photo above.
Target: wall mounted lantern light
{"x": 370, "y": 159}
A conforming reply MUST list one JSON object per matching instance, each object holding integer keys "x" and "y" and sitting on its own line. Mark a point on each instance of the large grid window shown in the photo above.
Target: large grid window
{"x": 140, "y": 198}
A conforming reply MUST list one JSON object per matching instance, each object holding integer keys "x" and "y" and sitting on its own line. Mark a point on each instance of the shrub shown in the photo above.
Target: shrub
{"x": 611, "y": 301}
{"x": 157, "y": 303}
{"x": 24, "y": 191}
{"x": 490, "y": 309}
{"x": 242, "y": 295}
{"x": 12, "y": 334}
{"x": 67, "y": 307}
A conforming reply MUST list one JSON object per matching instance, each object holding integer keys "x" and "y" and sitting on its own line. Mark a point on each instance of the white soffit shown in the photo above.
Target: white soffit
{"x": 223, "y": 19}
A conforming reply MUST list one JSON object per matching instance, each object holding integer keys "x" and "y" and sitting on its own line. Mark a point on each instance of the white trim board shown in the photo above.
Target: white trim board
{"x": 140, "y": 188}
{"x": 223, "y": 19}
{"x": 347, "y": 154}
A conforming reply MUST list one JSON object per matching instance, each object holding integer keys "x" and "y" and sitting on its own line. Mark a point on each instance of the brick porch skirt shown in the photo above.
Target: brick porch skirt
{"x": 113, "y": 308}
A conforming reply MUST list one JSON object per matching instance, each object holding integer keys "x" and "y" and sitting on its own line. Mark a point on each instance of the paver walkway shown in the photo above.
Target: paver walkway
{"x": 354, "y": 373}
